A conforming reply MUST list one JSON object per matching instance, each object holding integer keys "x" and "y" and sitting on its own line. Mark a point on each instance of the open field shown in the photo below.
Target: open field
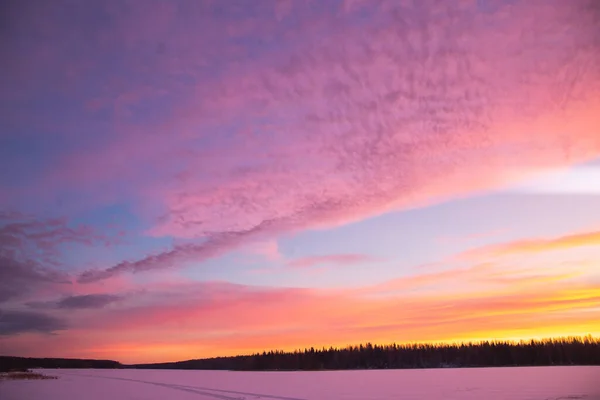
{"x": 529, "y": 383}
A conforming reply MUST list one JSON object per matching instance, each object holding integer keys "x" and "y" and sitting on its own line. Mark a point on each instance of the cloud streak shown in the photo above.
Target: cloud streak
{"x": 31, "y": 251}
{"x": 219, "y": 318}
{"x": 14, "y": 322}
{"x": 86, "y": 301}
{"x": 541, "y": 245}
{"x": 483, "y": 300}
{"x": 17, "y": 278}
{"x": 579, "y": 181}
{"x": 22, "y": 235}
{"x": 332, "y": 259}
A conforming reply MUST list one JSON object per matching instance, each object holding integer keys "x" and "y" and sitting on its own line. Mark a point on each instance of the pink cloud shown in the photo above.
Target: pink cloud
{"x": 226, "y": 306}
{"x": 269, "y": 249}
{"x": 475, "y": 279}
{"x": 330, "y": 123}
{"x": 475, "y": 236}
{"x": 332, "y": 259}
{"x": 331, "y": 169}
{"x": 536, "y": 245}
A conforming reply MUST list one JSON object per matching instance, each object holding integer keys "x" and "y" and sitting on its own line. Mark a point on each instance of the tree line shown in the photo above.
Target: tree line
{"x": 8, "y": 363}
{"x": 545, "y": 352}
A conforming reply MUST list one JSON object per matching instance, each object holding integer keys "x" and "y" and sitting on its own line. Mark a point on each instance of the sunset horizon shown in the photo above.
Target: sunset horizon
{"x": 435, "y": 343}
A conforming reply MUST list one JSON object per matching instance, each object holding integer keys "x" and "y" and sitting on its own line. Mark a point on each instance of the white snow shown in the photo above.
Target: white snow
{"x": 543, "y": 383}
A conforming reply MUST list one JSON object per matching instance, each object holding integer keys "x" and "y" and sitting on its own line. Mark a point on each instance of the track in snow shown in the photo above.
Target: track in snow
{"x": 221, "y": 394}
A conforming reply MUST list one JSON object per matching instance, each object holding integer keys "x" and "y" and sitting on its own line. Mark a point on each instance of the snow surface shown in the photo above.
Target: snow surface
{"x": 543, "y": 383}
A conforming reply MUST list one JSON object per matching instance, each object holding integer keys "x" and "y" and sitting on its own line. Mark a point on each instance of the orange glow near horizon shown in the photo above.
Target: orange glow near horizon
{"x": 475, "y": 304}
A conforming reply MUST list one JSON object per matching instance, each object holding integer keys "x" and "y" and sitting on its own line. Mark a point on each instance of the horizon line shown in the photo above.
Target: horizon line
{"x": 594, "y": 338}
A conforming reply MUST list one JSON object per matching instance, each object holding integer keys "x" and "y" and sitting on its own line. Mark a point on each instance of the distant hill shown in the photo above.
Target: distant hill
{"x": 8, "y": 363}
{"x": 562, "y": 351}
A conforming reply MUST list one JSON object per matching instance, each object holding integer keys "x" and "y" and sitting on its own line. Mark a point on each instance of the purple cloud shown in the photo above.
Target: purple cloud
{"x": 86, "y": 301}
{"x": 18, "y": 278}
{"x": 31, "y": 251}
{"x": 13, "y": 322}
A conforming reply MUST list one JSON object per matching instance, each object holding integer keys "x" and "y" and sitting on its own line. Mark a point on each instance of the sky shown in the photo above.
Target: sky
{"x": 194, "y": 178}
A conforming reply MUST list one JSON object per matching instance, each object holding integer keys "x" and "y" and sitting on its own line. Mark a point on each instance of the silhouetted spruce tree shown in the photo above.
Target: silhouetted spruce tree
{"x": 562, "y": 351}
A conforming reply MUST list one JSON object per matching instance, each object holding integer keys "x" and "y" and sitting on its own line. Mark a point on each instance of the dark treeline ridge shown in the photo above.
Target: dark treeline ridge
{"x": 560, "y": 351}
{"x": 8, "y": 364}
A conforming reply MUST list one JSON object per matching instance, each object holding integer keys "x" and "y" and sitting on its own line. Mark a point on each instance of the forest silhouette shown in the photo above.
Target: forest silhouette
{"x": 546, "y": 352}
{"x": 558, "y": 351}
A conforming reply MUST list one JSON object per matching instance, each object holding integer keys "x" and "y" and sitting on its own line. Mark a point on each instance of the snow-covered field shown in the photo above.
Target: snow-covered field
{"x": 545, "y": 383}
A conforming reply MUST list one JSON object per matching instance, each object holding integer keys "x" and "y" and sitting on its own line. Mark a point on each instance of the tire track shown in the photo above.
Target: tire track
{"x": 205, "y": 391}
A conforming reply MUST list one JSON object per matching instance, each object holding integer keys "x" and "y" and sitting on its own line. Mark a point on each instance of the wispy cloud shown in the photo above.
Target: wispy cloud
{"x": 566, "y": 181}
{"x": 14, "y": 322}
{"x": 31, "y": 251}
{"x": 269, "y": 249}
{"x": 481, "y": 300}
{"x": 18, "y": 278}
{"x": 331, "y": 259}
{"x": 461, "y": 304}
{"x": 214, "y": 245}
{"x": 537, "y": 245}
{"x": 473, "y": 279}
{"x": 320, "y": 127}
{"x": 23, "y": 235}
{"x": 86, "y": 301}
